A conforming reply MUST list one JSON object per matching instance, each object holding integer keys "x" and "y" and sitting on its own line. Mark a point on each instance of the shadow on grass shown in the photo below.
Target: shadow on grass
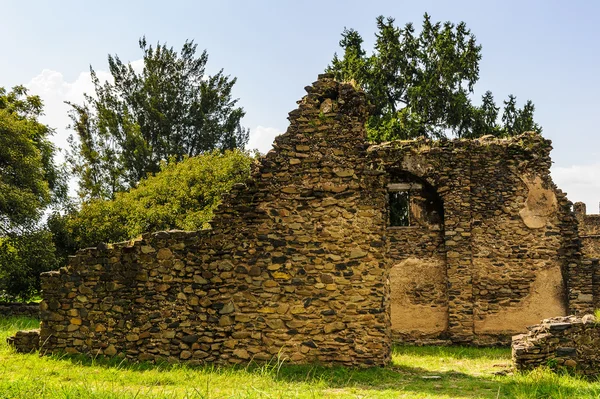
{"x": 400, "y": 377}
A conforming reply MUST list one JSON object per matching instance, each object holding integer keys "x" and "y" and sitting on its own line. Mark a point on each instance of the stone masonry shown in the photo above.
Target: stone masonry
{"x": 293, "y": 265}
{"x": 568, "y": 342}
{"x": 589, "y": 226}
{"x": 309, "y": 261}
{"x": 25, "y": 341}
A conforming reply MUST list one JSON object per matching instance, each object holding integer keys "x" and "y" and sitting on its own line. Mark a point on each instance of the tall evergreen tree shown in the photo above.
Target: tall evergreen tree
{"x": 421, "y": 84}
{"x": 170, "y": 110}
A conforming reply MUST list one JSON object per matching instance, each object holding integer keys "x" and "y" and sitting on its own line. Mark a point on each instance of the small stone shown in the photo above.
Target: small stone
{"x": 146, "y": 249}
{"x": 357, "y": 253}
{"x": 132, "y": 337}
{"x": 164, "y": 254}
{"x": 334, "y": 327}
{"x": 275, "y": 324}
{"x": 570, "y": 363}
{"x": 241, "y": 353}
{"x": 254, "y": 271}
{"x": 110, "y": 350}
{"x": 326, "y": 106}
{"x": 228, "y": 308}
{"x": 185, "y": 355}
{"x": 344, "y": 173}
{"x": 281, "y": 276}
{"x": 190, "y": 339}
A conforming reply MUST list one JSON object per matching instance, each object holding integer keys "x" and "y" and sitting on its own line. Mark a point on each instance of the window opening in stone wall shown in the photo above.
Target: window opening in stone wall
{"x": 399, "y": 208}
{"x": 412, "y": 203}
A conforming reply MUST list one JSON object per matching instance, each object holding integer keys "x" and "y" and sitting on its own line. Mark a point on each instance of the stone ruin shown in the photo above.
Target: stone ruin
{"x": 335, "y": 248}
{"x": 562, "y": 342}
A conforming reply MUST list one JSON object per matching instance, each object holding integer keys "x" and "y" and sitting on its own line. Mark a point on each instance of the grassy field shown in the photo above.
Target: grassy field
{"x": 416, "y": 372}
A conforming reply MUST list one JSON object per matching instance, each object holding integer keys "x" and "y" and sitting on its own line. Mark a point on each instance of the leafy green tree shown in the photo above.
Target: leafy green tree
{"x": 421, "y": 84}
{"x": 22, "y": 258}
{"x": 29, "y": 178}
{"x": 169, "y": 111}
{"x": 182, "y": 195}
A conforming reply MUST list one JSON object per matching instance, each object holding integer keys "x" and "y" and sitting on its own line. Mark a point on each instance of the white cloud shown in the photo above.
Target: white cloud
{"x": 54, "y": 90}
{"x": 581, "y": 183}
{"x": 261, "y": 138}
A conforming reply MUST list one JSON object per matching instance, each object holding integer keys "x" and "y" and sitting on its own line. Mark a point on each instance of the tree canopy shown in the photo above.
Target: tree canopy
{"x": 29, "y": 178}
{"x": 421, "y": 84}
{"x": 181, "y": 196}
{"x": 30, "y": 181}
{"x": 170, "y": 110}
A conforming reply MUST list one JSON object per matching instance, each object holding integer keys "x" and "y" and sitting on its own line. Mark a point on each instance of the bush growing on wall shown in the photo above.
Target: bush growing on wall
{"x": 181, "y": 196}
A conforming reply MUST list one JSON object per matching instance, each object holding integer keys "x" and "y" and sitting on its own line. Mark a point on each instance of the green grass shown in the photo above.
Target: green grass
{"x": 415, "y": 372}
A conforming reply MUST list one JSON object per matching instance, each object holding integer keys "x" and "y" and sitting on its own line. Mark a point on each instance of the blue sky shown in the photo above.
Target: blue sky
{"x": 546, "y": 51}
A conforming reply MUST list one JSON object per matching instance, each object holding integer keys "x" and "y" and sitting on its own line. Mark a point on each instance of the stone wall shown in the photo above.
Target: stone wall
{"x": 567, "y": 342}
{"x": 25, "y": 341}
{"x": 503, "y": 249}
{"x": 293, "y": 265}
{"x": 302, "y": 260}
{"x": 589, "y": 226}
{"x": 20, "y": 309}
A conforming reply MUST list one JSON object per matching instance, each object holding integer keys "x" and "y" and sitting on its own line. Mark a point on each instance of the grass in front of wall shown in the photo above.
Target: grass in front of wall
{"x": 415, "y": 372}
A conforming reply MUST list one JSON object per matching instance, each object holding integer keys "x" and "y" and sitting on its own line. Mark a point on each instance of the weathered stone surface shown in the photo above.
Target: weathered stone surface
{"x": 572, "y": 342}
{"x": 25, "y": 341}
{"x": 303, "y": 251}
{"x": 20, "y": 309}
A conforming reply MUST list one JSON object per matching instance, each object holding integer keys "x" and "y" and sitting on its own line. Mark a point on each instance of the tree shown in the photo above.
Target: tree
{"x": 169, "y": 111}
{"x": 420, "y": 85}
{"x": 182, "y": 195}
{"x": 29, "y": 178}
{"x": 22, "y": 258}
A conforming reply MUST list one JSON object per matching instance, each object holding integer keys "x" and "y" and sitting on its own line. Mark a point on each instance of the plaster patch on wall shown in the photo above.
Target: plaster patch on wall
{"x": 409, "y": 275}
{"x": 545, "y": 300}
{"x": 541, "y": 203}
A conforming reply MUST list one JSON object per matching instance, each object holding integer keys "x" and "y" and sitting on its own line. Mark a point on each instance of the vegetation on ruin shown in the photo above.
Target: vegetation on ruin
{"x": 415, "y": 372}
{"x": 420, "y": 84}
{"x": 181, "y": 196}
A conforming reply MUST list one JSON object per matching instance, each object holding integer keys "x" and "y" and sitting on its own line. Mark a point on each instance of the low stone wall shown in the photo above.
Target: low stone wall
{"x": 20, "y": 309}
{"x": 25, "y": 341}
{"x": 571, "y": 342}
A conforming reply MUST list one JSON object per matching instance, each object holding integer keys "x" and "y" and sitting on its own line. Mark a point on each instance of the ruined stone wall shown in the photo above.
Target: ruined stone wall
{"x": 563, "y": 342}
{"x": 31, "y": 309}
{"x": 301, "y": 260}
{"x": 293, "y": 265}
{"x": 589, "y": 227}
{"x": 26, "y": 341}
{"x": 503, "y": 250}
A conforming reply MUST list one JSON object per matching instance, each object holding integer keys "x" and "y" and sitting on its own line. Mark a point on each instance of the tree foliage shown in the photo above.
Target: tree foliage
{"x": 421, "y": 84}
{"x": 29, "y": 178}
{"x": 182, "y": 195}
{"x": 169, "y": 111}
{"x": 23, "y": 257}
